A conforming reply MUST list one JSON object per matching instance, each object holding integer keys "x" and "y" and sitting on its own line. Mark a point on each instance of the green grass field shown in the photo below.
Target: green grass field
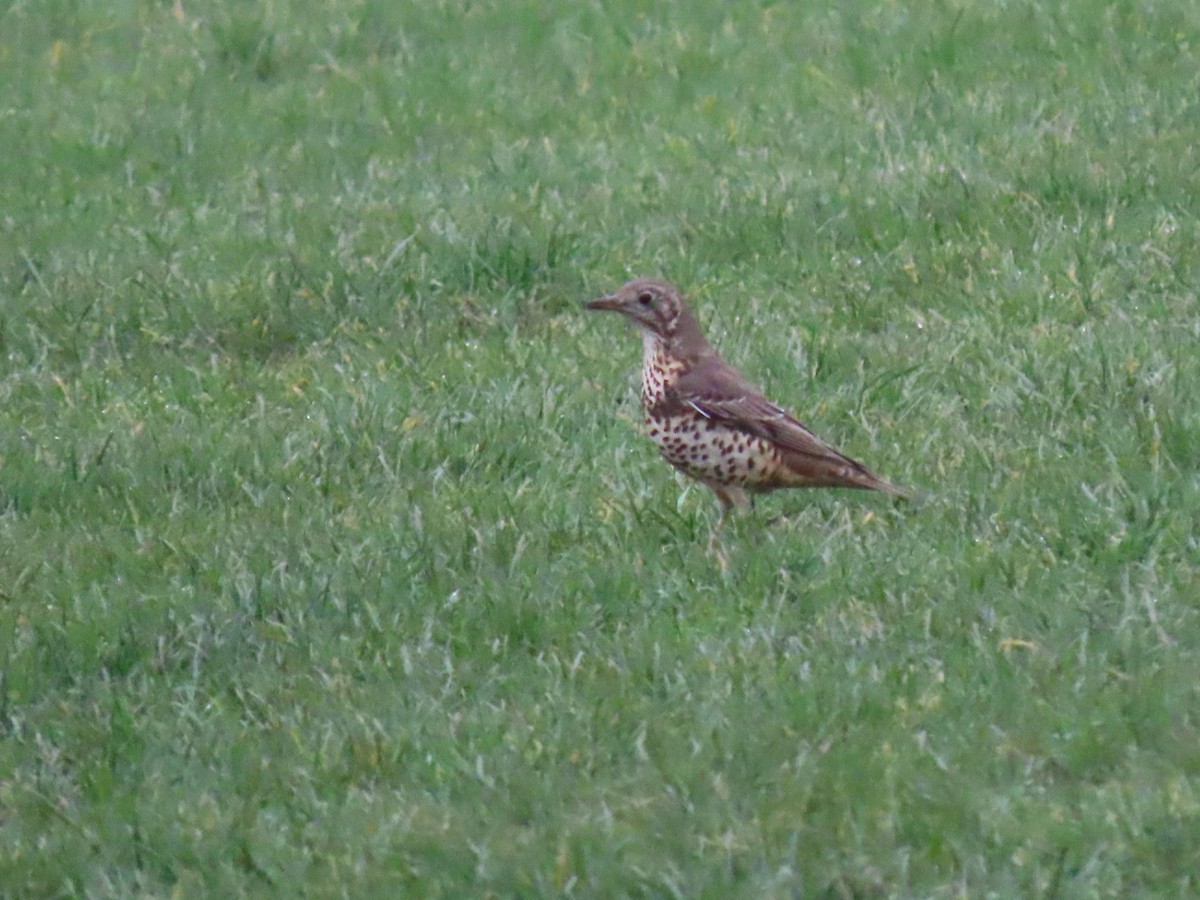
{"x": 332, "y": 560}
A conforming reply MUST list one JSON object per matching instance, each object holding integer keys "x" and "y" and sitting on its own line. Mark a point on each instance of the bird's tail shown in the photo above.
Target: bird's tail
{"x": 912, "y": 496}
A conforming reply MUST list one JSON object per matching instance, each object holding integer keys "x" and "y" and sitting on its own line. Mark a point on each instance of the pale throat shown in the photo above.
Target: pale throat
{"x": 650, "y": 346}
{"x": 660, "y": 369}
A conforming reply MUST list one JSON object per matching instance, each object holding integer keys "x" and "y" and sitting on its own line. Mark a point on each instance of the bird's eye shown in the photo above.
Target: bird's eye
{"x": 645, "y": 298}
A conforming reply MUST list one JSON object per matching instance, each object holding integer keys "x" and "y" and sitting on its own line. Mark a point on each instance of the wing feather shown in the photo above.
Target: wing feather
{"x": 721, "y": 393}
{"x": 718, "y": 391}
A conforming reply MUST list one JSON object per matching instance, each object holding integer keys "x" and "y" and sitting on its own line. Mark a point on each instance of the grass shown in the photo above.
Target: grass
{"x": 332, "y": 562}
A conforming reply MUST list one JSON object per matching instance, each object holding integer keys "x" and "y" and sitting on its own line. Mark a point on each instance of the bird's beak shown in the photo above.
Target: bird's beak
{"x": 608, "y": 301}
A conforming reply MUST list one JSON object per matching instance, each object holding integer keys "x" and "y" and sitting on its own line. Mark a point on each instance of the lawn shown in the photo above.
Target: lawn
{"x": 333, "y": 561}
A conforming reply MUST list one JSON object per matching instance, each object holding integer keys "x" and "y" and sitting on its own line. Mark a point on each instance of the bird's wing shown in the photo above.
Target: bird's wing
{"x": 720, "y": 392}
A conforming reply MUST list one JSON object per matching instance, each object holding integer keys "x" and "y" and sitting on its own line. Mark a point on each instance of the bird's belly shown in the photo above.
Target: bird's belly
{"x": 712, "y": 453}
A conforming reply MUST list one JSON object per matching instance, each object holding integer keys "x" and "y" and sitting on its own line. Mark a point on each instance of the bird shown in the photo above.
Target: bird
{"x": 710, "y": 422}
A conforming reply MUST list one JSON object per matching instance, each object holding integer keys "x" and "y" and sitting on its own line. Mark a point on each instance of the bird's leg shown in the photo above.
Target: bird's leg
{"x": 729, "y": 497}
{"x": 715, "y": 549}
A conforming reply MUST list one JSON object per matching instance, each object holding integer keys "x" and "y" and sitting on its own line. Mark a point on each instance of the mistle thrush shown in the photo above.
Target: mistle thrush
{"x": 709, "y": 421}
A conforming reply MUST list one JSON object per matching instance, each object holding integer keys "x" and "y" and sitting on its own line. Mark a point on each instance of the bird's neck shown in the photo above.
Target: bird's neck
{"x": 659, "y": 368}
{"x": 665, "y": 359}
{"x": 652, "y": 346}
{"x": 684, "y": 344}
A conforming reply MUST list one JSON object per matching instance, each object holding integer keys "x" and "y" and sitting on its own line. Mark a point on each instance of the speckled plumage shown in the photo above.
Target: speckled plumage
{"x": 712, "y": 424}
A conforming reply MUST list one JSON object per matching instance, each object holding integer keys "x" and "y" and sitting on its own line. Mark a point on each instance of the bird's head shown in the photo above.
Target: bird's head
{"x": 653, "y": 305}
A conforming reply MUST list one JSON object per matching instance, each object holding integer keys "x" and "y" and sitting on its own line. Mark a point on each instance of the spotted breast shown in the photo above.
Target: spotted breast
{"x": 697, "y": 445}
